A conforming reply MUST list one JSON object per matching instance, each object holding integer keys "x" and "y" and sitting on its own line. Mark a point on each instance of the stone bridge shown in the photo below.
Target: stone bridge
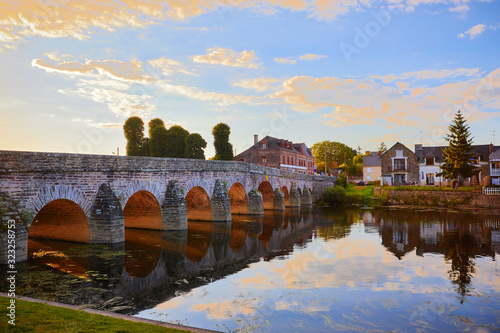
{"x": 92, "y": 198}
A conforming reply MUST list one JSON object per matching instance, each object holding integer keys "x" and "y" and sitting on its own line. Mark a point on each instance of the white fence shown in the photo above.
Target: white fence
{"x": 491, "y": 190}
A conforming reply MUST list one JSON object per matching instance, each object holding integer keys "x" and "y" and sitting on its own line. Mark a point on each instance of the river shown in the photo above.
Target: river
{"x": 303, "y": 270}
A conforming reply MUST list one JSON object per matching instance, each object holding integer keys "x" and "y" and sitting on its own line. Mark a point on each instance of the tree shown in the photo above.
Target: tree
{"x": 359, "y": 150}
{"x": 134, "y": 133}
{"x": 176, "y": 142}
{"x": 223, "y": 149}
{"x": 457, "y": 155}
{"x": 153, "y": 123}
{"x": 358, "y": 159}
{"x": 382, "y": 147}
{"x": 335, "y": 152}
{"x": 194, "y": 146}
{"x": 158, "y": 141}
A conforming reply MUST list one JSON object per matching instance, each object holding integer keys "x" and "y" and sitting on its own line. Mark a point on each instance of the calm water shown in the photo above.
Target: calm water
{"x": 304, "y": 270}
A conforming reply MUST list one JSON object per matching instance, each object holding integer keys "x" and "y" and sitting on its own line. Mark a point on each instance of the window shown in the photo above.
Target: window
{"x": 430, "y": 178}
{"x": 399, "y": 165}
{"x": 399, "y": 179}
{"x": 264, "y": 146}
{"x": 429, "y": 161}
{"x": 288, "y": 159}
{"x": 264, "y": 159}
{"x": 368, "y": 177}
{"x": 292, "y": 160}
{"x": 369, "y": 170}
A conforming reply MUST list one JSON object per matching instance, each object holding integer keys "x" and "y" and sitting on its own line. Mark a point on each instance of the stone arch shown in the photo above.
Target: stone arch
{"x": 206, "y": 185}
{"x": 239, "y": 199}
{"x": 142, "y": 210}
{"x": 157, "y": 189}
{"x": 243, "y": 180}
{"x": 61, "y": 219}
{"x": 198, "y": 204}
{"x": 267, "y": 192}
{"x": 52, "y": 193}
{"x": 286, "y": 194}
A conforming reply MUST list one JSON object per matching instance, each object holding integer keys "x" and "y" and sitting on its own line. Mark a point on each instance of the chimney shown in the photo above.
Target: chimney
{"x": 367, "y": 152}
{"x": 255, "y": 139}
{"x": 418, "y": 147}
{"x": 491, "y": 149}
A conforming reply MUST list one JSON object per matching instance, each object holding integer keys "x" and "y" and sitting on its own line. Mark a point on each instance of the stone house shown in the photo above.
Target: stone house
{"x": 280, "y": 154}
{"x": 495, "y": 167}
{"x": 399, "y": 165}
{"x": 372, "y": 167}
{"x": 431, "y": 158}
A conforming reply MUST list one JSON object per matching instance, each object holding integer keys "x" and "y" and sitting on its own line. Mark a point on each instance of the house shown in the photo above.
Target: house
{"x": 372, "y": 169}
{"x": 279, "y": 153}
{"x": 430, "y": 160}
{"x": 494, "y": 160}
{"x": 399, "y": 165}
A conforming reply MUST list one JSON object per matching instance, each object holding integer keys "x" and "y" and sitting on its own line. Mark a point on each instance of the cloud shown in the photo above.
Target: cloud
{"x": 120, "y": 70}
{"x": 169, "y": 66}
{"x": 430, "y": 74}
{"x": 461, "y": 9}
{"x": 286, "y": 61}
{"x": 361, "y": 101}
{"x": 258, "y": 84}
{"x": 114, "y": 69}
{"x": 120, "y": 103}
{"x": 64, "y": 67}
{"x": 20, "y": 20}
{"x": 227, "y": 57}
{"x": 221, "y": 99}
{"x": 474, "y": 31}
{"x": 310, "y": 57}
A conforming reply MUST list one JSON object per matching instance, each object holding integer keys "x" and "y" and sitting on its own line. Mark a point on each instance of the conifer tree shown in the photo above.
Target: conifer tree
{"x": 457, "y": 155}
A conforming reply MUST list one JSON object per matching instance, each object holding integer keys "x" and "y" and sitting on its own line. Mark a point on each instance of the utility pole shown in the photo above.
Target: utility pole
{"x": 325, "y": 159}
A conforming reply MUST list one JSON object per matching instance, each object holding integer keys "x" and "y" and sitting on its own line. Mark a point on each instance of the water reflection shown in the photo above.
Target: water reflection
{"x": 301, "y": 269}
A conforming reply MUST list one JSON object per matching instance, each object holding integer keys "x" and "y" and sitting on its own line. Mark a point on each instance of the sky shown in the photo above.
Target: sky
{"x": 360, "y": 72}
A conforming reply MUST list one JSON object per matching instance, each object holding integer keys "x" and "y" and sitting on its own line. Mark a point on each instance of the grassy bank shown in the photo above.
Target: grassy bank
{"x": 36, "y": 317}
{"x": 352, "y": 195}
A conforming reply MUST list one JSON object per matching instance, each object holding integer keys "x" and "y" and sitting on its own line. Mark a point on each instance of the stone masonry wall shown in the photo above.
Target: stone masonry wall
{"x": 442, "y": 198}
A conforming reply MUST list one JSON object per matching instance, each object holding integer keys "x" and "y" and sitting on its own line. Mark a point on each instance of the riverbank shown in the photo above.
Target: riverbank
{"x": 34, "y": 315}
{"x": 433, "y": 198}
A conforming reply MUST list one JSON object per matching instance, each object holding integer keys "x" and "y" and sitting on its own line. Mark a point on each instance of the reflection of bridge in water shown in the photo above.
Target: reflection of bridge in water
{"x": 153, "y": 261}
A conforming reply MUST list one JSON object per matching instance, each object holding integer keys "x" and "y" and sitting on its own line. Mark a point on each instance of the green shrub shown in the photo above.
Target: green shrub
{"x": 341, "y": 180}
{"x": 335, "y": 195}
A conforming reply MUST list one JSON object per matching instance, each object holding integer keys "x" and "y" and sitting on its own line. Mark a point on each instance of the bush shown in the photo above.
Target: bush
{"x": 341, "y": 180}
{"x": 335, "y": 195}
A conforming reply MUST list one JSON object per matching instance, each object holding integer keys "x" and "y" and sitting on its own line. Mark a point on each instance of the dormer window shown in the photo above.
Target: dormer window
{"x": 429, "y": 161}
{"x": 264, "y": 146}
